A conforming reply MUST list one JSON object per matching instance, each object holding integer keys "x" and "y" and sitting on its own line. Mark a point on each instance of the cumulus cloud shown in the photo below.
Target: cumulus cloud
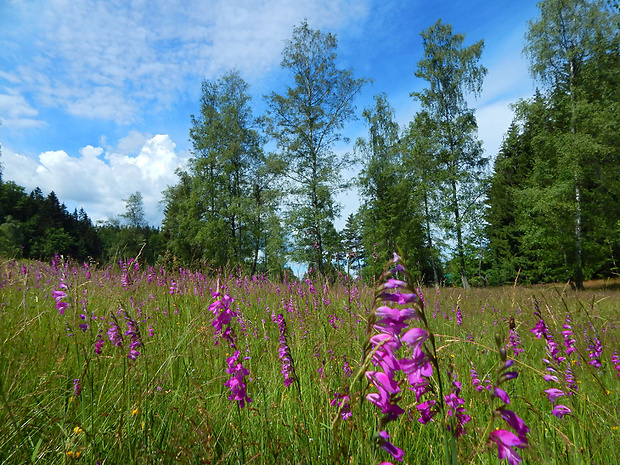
{"x": 99, "y": 180}
{"x": 113, "y": 60}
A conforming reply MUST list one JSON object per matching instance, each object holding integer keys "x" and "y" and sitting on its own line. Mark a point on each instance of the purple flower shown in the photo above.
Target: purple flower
{"x": 114, "y": 334}
{"x": 515, "y": 343}
{"x": 236, "y": 383}
{"x": 540, "y": 329}
{"x": 415, "y": 337}
{"x": 560, "y": 410}
{"x": 569, "y": 341}
{"x": 58, "y": 296}
{"x": 615, "y": 360}
{"x": 426, "y": 411}
{"x": 595, "y": 350}
{"x": 505, "y": 441}
{"x": 98, "y": 344}
{"x": 390, "y": 448}
{"x": 516, "y": 423}
{"x": 454, "y": 403}
{"x": 501, "y": 394}
{"x": 136, "y": 339}
{"x": 342, "y": 401}
{"x": 284, "y": 353}
{"x": 553, "y": 394}
{"x": 77, "y": 389}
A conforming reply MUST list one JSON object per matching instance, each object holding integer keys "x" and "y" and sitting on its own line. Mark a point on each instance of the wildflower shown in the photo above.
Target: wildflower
{"x": 569, "y": 341}
{"x": 114, "y": 334}
{"x": 285, "y": 353}
{"x": 133, "y": 332}
{"x": 560, "y": 410}
{"x": 236, "y": 383}
{"x": 595, "y": 351}
{"x": 540, "y": 329}
{"x": 514, "y": 421}
{"x": 77, "y": 389}
{"x": 505, "y": 441}
{"x": 98, "y": 344}
{"x": 515, "y": 342}
{"x": 342, "y": 401}
{"x": 390, "y": 448}
{"x": 615, "y": 360}
{"x": 426, "y": 411}
{"x": 455, "y": 409}
{"x": 553, "y": 394}
{"x": 77, "y": 430}
{"x": 59, "y": 295}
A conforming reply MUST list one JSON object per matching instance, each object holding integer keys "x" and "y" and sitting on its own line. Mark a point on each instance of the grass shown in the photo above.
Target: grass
{"x": 170, "y": 405}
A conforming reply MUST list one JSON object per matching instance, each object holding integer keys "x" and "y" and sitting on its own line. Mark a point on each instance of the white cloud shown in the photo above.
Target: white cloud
{"x": 16, "y": 112}
{"x": 113, "y": 60}
{"x": 493, "y": 122}
{"x": 98, "y": 180}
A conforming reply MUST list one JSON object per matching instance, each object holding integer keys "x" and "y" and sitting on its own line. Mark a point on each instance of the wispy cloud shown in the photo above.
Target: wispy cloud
{"x": 113, "y": 60}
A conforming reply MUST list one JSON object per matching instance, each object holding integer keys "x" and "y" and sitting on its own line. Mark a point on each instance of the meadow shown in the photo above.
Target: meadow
{"x": 130, "y": 364}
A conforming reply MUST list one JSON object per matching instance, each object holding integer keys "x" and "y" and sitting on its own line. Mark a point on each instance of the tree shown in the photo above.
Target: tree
{"x": 223, "y": 208}
{"x": 390, "y": 213}
{"x": 562, "y": 44}
{"x": 306, "y": 122}
{"x": 134, "y": 211}
{"x": 453, "y": 70}
{"x": 421, "y": 167}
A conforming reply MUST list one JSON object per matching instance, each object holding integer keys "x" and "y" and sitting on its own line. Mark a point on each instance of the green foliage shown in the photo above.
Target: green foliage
{"x": 222, "y": 211}
{"x": 34, "y": 226}
{"x": 452, "y": 71}
{"x": 391, "y": 214}
{"x": 554, "y": 194}
{"x": 306, "y": 121}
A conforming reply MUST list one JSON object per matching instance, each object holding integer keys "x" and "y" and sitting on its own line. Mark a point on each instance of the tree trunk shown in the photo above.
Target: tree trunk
{"x": 459, "y": 236}
{"x": 430, "y": 241}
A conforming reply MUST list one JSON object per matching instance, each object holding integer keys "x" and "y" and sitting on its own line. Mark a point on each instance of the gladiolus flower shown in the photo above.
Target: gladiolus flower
{"x": 560, "y": 410}
{"x": 505, "y": 441}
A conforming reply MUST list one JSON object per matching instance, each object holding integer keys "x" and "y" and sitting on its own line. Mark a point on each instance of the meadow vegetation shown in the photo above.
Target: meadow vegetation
{"x": 132, "y": 364}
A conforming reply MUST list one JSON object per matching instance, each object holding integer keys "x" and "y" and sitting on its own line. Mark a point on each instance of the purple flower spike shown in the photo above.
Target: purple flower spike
{"x": 505, "y": 441}
{"x": 114, "y": 334}
{"x": 236, "y": 383}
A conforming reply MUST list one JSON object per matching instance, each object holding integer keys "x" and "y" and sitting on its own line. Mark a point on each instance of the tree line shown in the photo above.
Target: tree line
{"x": 260, "y": 191}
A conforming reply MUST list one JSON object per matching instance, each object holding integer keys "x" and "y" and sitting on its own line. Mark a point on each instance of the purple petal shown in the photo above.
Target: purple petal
{"x": 499, "y": 392}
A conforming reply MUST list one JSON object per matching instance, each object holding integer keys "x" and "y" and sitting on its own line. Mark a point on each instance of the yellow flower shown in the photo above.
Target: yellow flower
{"x": 77, "y": 454}
{"x": 71, "y": 399}
{"x": 608, "y": 391}
{"x": 70, "y": 453}
{"x": 135, "y": 411}
{"x": 452, "y": 355}
{"x": 77, "y": 430}
{"x": 614, "y": 428}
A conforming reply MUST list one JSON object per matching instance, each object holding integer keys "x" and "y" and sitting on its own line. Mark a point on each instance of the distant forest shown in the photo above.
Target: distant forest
{"x": 545, "y": 208}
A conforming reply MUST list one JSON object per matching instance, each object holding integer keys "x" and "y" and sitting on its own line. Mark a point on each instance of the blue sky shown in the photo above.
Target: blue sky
{"x": 96, "y": 95}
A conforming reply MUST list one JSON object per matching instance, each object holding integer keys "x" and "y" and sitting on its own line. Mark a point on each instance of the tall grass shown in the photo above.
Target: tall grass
{"x": 62, "y": 402}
